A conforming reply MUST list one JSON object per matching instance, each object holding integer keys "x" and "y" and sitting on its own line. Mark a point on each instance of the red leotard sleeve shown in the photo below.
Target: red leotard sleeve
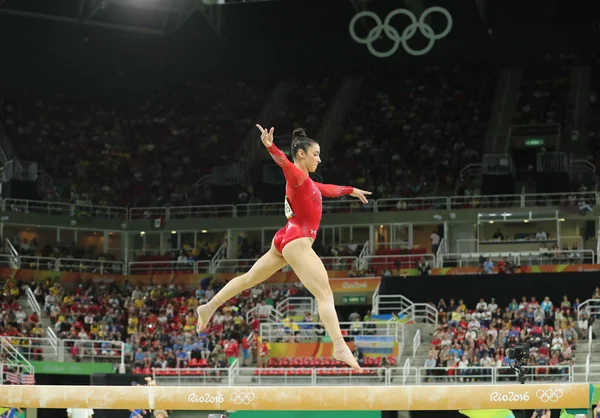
{"x": 331, "y": 190}
{"x": 293, "y": 175}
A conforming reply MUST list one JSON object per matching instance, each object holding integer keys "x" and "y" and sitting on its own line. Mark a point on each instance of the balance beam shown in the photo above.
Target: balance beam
{"x": 301, "y": 398}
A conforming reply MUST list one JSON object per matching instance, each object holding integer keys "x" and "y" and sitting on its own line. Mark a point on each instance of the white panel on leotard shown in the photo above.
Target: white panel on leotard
{"x": 289, "y": 213}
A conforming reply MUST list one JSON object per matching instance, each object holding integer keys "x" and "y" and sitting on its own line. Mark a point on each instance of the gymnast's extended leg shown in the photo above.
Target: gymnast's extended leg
{"x": 310, "y": 270}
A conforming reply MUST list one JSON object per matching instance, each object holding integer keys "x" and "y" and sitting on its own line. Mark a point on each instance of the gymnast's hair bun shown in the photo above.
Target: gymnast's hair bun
{"x": 299, "y": 133}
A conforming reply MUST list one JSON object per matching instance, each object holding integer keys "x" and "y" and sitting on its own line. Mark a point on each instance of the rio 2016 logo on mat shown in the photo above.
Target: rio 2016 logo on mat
{"x": 238, "y": 398}
{"x": 394, "y": 34}
{"x": 546, "y": 396}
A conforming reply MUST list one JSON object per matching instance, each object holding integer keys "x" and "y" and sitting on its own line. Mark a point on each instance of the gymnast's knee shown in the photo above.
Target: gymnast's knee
{"x": 324, "y": 295}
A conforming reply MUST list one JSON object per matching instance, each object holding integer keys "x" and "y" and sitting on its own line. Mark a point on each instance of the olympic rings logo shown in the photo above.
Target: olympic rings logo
{"x": 240, "y": 398}
{"x": 549, "y": 395}
{"x": 393, "y": 34}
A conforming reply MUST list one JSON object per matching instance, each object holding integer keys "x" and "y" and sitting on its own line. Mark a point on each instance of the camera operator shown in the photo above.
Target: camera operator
{"x": 505, "y": 266}
{"x": 424, "y": 268}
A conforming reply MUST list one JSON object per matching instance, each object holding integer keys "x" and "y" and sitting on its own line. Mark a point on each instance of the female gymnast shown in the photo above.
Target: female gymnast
{"x": 292, "y": 244}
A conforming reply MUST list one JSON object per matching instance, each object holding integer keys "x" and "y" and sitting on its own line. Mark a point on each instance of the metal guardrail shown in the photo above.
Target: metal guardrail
{"x": 297, "y": 305}
{"x": 160, "y": 267}
{"x": 329, "y": 206}
{"x": 589, "y": 308}
{"x": 198, "y": 376}
{"x": 37, "y": 349}
{"x": 395, "y": 261}
{"x": 313, "y": 331}
{"x": 491, "y": 375}
{"x": 519, "y": 258}
{"x": 60, "y": 350}
{"x": 380, "y": 376}
{"x": 82, "y": 265}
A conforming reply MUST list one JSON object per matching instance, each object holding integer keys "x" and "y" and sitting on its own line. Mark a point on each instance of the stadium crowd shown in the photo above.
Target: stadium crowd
{"x": 469, "y": 342}
{"x": 431, "y": 118}
{"x": 412, "y": 131}
{"x": 156, "y": 323}
{"x": 14, "y": 321}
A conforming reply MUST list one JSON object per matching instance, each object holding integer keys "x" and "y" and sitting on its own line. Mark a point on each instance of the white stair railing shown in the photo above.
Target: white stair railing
{"x": 405, "y": 371}
{"x": 234, "y": 372}
{"x": 33, "y": 303}
{"x": 14, "y": 357}
{"x": 53, "y": 338}
{"x": 218, "y": 257}
{"x": 363, "y": 256}
{"x": 404, "y": 308}
{"x": 13, "y": 253}
{"x": 589, "y": 307}
{"x": 272, "y": 316}
{"x": 375, "y": 300}
{"x": 416, "y": 342}
{"x": 294, "y": 306}
{"x": 441, "y": 250}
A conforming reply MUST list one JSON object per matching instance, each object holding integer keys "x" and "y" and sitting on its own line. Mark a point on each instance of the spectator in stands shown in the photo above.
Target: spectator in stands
{"x": 488, "y": 266}
{"x": 435, "y": 242}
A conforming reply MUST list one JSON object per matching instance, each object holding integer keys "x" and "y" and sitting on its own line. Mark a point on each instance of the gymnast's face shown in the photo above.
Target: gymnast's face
{"x": 312, "y": 158}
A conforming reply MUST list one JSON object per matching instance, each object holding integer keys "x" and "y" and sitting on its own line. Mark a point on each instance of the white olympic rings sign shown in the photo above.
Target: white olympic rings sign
{"x": 393, "y": 34}
{"x": 240, "y": 398}
{"x": 549, "y": 395}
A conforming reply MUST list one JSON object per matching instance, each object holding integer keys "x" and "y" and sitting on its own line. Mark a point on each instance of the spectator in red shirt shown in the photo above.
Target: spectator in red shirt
{"x": 245, "y": 350}
{"x": 231, "y": 351}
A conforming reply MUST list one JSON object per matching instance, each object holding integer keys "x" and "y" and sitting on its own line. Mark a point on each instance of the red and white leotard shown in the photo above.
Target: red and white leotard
{"x": 303, "y": 199}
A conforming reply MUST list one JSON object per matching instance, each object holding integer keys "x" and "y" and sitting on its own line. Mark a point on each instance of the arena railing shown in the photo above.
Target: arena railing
{"x": 412, "y": 203}
{"x": 38, "y": 263}
{"x": 329, "y": 206}
{"x": 493, "y": 375}
{"x": 207, "y": 376}
{"x": 315, "y": 331}
{"x": 395, "y": 261}
{"x": 11, "y": 356}
{"x": 164, "y": 267}
{"x": 37, "y": 206}
{"x": 297, "y": 305}
{"x": 588, "y": 308}
{"x": 523, "y": 258}
{"x": 103, "y": 212}
{"x": 36, "y": 349}
{"x": 382, "y": 376}
{"x": 275, "y": 208}
{"x": 263, "y": 313}
{"x": 244, "y": 264}
{"x": 389, "y": 304}
{"x": 93, "y": 351}
{"x": 302, "y": 376}
{"x": 82, "y": 265}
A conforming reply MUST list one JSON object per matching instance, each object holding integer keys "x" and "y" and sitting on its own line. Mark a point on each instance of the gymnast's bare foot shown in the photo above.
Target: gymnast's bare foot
{"x": 343, "y": 353}
{"x": 203, "y": 318}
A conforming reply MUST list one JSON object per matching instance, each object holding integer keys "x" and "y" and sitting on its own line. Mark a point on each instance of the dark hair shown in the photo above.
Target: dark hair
{"x": 300, "y": 142}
